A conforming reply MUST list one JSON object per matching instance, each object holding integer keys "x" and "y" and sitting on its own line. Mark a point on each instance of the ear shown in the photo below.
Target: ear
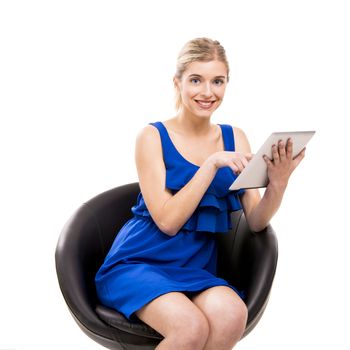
{"x": 176, "y": 82}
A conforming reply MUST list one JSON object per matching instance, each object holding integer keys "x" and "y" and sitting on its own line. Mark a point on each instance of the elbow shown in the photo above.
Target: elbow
{"x": 255, "y": 226}
{"x": 168, "y": 229}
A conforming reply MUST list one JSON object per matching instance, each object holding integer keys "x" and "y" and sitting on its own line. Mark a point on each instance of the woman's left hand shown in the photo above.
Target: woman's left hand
{"x": 282, "y": 164}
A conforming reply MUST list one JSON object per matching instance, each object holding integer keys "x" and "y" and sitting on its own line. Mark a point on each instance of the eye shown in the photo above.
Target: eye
{"x": 218, "y": 82}
{"x": 195, "y": 80}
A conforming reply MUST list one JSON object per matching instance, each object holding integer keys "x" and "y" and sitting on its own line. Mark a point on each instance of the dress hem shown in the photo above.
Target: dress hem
{"x": 131, "y": 316}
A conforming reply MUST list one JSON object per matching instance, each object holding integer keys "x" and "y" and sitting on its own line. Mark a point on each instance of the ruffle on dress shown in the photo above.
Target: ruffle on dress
{"x": 213, "y": 211}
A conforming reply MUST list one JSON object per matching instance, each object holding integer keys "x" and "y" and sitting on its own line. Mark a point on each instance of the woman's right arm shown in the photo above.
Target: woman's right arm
{"x": 170, "y": 212}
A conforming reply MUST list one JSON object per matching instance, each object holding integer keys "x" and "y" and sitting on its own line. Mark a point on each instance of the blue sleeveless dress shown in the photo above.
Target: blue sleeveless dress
{"x": 144, "y": 262}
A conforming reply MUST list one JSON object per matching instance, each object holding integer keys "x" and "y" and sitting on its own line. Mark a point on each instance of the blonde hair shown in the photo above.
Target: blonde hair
{"x": 199, "y": 49}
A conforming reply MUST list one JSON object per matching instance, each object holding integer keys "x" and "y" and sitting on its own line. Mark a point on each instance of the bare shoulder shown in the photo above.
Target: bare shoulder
{"x": 241, "y": 141}
{"x": 148, "y": 133}
{"x": 148, "y": 149}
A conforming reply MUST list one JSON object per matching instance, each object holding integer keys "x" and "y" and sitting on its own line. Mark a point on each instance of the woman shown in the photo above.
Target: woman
{"x": 162, "y": 264}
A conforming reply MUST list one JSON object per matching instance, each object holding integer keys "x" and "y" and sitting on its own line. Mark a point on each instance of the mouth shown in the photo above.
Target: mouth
{"x": 205, "y": 104}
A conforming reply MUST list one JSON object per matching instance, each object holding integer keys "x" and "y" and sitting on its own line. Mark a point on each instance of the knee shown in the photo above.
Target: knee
{"x": 191, "y": 334}
{"x": 242, "y": 318}
{"x": 235, "y": 321}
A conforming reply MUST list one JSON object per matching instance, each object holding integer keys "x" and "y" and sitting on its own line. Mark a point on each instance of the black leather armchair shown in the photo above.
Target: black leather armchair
{"x": 246, "y": 260}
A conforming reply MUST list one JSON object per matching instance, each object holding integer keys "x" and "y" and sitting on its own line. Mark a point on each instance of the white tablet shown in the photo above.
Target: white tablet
{"x": 254, "y": 175}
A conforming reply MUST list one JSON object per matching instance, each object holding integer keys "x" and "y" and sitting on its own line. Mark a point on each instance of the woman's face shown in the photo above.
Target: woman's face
{"x": 202, "y": 87}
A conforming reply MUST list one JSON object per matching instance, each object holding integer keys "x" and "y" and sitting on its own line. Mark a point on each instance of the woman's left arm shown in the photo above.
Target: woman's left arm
{"x": 259, "y": 211}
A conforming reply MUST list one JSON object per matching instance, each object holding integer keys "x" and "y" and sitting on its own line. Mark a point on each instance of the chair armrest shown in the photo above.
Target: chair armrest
{"x": 262, "y": 248}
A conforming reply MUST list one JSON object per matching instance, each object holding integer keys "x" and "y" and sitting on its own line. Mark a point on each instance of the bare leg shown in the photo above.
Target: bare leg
{"x": 178, "y": 319}
{"x": 227, "y": 316}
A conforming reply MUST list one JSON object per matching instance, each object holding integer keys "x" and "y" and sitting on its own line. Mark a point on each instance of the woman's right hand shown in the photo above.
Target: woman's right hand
{"x": 235, "y": 160}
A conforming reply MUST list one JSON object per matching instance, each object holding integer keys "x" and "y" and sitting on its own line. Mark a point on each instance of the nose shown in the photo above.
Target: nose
{"x": 206, "y": 92}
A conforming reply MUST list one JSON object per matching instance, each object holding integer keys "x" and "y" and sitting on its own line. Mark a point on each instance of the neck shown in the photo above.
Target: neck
{"x": 193, "y": 124}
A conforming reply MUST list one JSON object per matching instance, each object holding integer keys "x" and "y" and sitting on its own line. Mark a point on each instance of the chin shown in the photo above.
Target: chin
{"x": 203, "y": 112}
{"x": 204, "y": 115}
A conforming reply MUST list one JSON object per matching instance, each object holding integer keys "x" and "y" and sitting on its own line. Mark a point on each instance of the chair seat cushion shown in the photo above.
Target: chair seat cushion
{"x": 117, "y": 320}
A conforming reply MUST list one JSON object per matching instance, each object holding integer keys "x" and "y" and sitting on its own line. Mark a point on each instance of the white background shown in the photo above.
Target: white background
{"x": 79, "y": 79}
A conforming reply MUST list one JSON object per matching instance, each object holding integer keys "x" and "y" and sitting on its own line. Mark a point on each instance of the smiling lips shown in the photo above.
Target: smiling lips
{"x": 205, "y": 104}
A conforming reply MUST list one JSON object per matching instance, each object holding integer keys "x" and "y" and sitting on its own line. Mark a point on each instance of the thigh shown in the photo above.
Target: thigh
{"x": 222, "y": 306}
{"x": 173, "y": 312}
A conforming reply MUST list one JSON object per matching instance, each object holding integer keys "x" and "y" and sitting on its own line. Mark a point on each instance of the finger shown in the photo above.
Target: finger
{"x": 299, "y": 157}
{"x": 239, "y": 164}
{"x": 275, "y": 155}
{"x": 301, "y": 152}
{"x": 289, "y": 149}
{"x": 249, "y": 156}
{"x": 281, "y": 150}
{"x": 244, "y": 159}
{"x": 267, "y": 161}
{"x": 244, "y": 162}
{"x": 235, "y": 169}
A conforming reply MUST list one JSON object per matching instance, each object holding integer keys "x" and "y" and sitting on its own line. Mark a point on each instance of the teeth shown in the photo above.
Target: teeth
{"x": 205, "y": 103}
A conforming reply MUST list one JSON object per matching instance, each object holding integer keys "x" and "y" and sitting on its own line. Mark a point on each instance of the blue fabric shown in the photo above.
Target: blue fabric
{"x": 144, "y": 262}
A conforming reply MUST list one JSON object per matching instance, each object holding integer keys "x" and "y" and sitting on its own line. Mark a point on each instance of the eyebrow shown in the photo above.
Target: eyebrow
{"x": 197, "y": 75}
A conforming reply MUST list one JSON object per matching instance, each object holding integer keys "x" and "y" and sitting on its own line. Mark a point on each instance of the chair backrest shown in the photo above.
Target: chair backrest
{"x": 83, "y": 245}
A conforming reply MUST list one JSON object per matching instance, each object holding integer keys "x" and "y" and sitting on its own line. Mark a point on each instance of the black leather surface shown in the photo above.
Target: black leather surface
{"x": 245, "y": 259}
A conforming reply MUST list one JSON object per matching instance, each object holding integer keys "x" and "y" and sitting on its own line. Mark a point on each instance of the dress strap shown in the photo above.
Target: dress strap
{"x": 228, "y": 136}
{"x": 167, "y": 145}
{"x": 166, "y": 141}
